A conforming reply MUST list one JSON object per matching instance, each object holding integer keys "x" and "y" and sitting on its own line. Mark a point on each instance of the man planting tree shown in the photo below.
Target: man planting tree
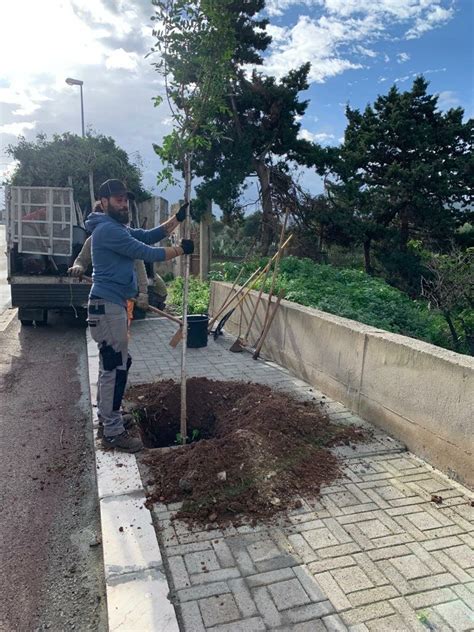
{"x": 115, "y": 247}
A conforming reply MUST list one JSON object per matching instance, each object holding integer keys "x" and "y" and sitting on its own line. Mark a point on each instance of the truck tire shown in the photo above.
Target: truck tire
{"x": 26, "y": 323}
{"x": 44, "y": 321}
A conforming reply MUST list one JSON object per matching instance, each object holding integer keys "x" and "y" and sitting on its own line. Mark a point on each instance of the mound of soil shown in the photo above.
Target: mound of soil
{"x": 255, "y": 451}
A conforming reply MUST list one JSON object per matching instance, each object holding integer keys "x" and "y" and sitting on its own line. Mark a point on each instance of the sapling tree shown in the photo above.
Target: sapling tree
{"x": 195, "y": 43}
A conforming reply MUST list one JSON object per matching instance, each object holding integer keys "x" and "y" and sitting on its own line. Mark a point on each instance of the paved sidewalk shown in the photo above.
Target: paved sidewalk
{"x": 372, "y": 553}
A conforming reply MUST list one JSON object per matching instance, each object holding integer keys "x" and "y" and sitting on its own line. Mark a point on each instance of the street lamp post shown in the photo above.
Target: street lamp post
{"x": 78, "y": 82}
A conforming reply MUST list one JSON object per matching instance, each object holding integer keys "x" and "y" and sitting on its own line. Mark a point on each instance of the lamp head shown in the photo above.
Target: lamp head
{"x": 74, "y": 82}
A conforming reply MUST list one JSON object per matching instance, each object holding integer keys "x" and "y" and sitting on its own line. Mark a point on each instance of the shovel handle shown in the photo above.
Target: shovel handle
{"x": 267, "y": 326}
{"x": 155, "y": 310}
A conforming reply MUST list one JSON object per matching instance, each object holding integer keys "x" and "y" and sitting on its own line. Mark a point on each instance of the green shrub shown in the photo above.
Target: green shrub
{"x": 198, "y": 296}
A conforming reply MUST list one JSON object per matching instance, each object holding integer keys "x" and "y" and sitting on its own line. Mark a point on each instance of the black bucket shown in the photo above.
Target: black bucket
{"x": 197, "y": 330}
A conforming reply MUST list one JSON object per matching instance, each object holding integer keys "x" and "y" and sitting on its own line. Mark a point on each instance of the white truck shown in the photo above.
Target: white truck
{"x": 44, "y": 233}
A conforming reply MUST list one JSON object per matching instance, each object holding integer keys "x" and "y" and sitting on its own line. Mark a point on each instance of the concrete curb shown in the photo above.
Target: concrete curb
{"x": 136, "y": 584}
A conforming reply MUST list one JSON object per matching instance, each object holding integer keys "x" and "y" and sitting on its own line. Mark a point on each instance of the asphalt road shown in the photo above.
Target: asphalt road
{"x": 51, "y": 571}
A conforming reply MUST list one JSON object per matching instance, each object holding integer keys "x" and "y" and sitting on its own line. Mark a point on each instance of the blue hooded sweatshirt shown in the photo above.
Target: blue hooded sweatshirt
{"x": 114, "y": 249}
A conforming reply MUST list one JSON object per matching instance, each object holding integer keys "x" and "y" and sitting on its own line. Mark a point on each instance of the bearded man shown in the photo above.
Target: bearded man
{"x": 115, "y": 247}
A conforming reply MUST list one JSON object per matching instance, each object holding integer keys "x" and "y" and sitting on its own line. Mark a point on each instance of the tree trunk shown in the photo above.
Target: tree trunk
{"x": 452, "y": 329}
{"x": 404, "y": 230}
{"x": 91, "y": 189}
{"x": 263, "y": 173}
{"x": 367, "y": 261}
{"x": 205, "y": 243}
{"x": 321, "y": 238}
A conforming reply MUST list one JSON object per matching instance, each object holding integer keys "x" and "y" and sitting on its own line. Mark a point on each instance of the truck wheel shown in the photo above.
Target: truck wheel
{"x": 26, "y": 323}
{"x": 44, "y": 321}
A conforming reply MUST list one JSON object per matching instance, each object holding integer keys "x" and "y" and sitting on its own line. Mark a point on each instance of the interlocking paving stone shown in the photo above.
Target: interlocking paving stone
{"x": 371, "y": 554}
{"x": 351, "y": 579}
{"x": 411, "y": 567}
{"x": 288, "y": 594}
{"x": 218, "y": 609}
{"x": 242, "y": 597}
{"x": 255, "y": 624}
{"x": 200, "y": 561}
{"x": 191, "y": 616}
{"x": 266, "y": 607}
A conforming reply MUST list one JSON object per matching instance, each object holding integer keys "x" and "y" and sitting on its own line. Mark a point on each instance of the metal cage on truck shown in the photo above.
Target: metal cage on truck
{"x": 40, "y": 219}
{"x": 44, "y": 233}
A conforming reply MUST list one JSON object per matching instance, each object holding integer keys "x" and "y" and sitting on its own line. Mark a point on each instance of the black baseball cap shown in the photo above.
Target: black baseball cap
{"x": 114, "y": 187}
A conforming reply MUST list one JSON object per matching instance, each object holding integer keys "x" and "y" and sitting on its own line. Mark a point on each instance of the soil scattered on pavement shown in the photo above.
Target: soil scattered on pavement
{"x": 253, "y": 451}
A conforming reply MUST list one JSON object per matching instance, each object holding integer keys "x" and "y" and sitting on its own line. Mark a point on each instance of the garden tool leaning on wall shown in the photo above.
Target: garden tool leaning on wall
{"x": 242, "y": 293}
{"x": 240, "y": 343}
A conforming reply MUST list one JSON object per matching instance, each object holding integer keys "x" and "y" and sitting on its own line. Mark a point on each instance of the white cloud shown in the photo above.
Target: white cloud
{"x": 412, "y": 75}
{"x": 430, "y": 13}
{"x": 321, "y": 137}
{"x": 278, "y": 7}
{"x": 8, "y": 170}
{"x": 434, "y": 17}
{"x": 448, "y": 99}
{"x": 17, "y": 129}
{"x": 365, "y": 51}
{"x": 314, "y": 41}
{"x": 402, "y": 58}
{"x": 91, "y": 40}
{"x": 121, "y": 59}
{"x": 337, "y": 32}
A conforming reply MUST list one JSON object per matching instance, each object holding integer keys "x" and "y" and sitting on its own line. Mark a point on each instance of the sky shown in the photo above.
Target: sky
{"x": 357, "y": 48}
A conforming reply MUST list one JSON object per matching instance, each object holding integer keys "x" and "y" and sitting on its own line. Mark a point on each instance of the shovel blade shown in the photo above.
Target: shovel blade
{"x": 238, "y": 346}
{"x": 176, "y": 339}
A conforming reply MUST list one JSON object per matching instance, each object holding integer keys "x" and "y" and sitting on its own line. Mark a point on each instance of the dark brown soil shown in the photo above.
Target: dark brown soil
{"x": 257, "y": 451}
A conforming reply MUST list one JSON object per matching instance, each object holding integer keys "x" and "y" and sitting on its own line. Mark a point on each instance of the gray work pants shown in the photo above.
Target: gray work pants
{"x": 108, "y": 326}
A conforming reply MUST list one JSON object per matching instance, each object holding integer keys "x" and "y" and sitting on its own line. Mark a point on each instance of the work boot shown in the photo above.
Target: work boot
{"x": 128, "y": 423}
{"x": 123, "y": 442}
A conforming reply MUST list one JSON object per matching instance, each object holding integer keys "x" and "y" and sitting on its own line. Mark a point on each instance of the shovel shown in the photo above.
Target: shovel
{"x": 226, "y": 317}
{"x": 253, "y": 278}
{"x": 268, "y": 324}
{"x": 240, "y": 343}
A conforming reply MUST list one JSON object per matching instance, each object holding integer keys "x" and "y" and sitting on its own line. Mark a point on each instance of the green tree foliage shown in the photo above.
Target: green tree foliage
{"x": 237, "y": 239}
{"x": 403, "y": 171}
{"x": 194, "y": 40}
{"x": 259, "y": 123}
{"x": 45, "y": 162}
{"x": 448, "y": 284}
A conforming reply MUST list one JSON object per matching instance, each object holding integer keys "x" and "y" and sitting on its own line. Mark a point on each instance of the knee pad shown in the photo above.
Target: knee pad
{"x": 111, "y": 359}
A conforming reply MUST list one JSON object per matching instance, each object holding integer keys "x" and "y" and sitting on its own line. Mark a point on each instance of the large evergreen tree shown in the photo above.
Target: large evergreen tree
{"x": 402, "y": 171}
{"x": 259, "y": 125}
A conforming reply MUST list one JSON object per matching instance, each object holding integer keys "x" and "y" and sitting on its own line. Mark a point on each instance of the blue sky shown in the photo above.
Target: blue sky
{"x": 444, "y": 55}
{"x": 357, "y": 48}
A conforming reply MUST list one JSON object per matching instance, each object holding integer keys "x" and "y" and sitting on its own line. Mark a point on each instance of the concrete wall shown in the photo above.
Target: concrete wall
{"x": 419, "y": 393}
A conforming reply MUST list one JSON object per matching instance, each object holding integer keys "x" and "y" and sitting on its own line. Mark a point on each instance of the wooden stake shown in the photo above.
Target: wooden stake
{"x": 275, "y": 272}
{"x": 184, "y": 328}
{"x": 254, "y": 313}
{"x": 254, "y": 277}
{"x": 268, "y": 325}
